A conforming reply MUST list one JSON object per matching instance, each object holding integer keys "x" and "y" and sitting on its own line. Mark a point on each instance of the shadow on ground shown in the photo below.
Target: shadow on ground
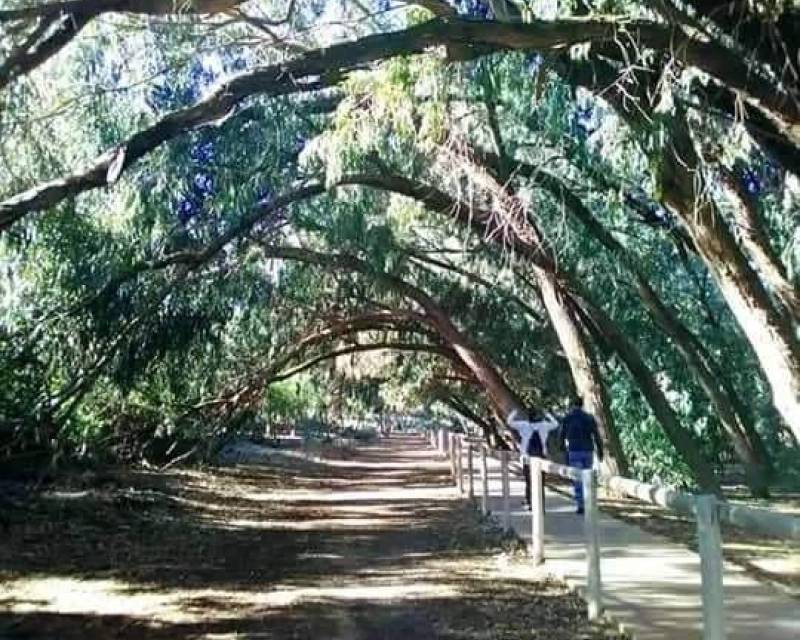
{"x": 374, "y": 546}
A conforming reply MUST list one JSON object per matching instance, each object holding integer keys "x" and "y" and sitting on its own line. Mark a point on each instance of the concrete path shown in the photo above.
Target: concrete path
{"x": 651, "y": 586}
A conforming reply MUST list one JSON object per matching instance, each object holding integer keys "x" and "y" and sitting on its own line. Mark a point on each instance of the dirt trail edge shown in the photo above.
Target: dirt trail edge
{"x": 377, "y": 546}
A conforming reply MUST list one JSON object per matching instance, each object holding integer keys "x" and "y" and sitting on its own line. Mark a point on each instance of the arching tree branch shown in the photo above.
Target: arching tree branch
{"x": 58, "y": 23}
{"x": 326, "y": 66}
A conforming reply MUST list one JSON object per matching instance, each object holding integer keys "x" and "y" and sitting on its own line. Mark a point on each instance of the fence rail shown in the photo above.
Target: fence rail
{"x": 707, "y": 510}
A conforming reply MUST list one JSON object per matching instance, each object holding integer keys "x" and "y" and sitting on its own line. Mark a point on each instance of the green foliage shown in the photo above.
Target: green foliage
{"x": 109, "y": 349}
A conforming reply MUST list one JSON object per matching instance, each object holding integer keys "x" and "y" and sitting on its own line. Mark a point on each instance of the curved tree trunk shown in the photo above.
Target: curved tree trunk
{"x": 746, "y": 442}
{"x": 683, "y": 440}
{"x": 768, "y": 329}
{"x": 585, "y": 372}
{"x": 763, "y": 130}
{"x": 487, "y": 427}
{"x": 478, "y": 364}
{"x": 58, "y": 23}
{"x": 770, "y": 31}
{"x": 509, "y": 225}
{"x": 512, "y": 227}
{"x": 325, "y": 67}
{"x": 756, "y": 243}
{"x": 524, "y": 238}
{"x": 46, "y": 40}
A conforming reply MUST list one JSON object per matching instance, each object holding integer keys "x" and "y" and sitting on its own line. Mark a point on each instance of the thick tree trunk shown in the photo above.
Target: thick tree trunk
{"x": 768, "y": 329}
{"x": 758, "y": 247}
{"x": 746, "y": 442}
{"x": 509, "y": 225}
{"x": 585, "y": 372}
{"x": 684, "y": 442}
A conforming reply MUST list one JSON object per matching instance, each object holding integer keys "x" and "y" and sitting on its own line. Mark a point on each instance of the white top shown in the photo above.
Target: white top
{"x": 526, "y": 429}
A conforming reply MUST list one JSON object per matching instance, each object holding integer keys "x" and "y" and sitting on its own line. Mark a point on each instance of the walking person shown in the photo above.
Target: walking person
{"x": 532, "y": 434}
{"x": 579, "y": 432}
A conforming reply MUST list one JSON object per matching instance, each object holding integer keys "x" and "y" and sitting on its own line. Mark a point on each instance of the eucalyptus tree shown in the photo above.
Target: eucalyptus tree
{"x": 195, "y": 117}
{"x": 767, "y": 329}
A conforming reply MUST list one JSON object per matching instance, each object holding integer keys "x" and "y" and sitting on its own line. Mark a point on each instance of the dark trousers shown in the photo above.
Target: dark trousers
{"x": 526, "y": 473}
{"x": 580, "y": 460}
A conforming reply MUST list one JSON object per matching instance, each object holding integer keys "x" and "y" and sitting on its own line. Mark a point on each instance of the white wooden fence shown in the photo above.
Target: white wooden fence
{"x": 707, "y": 510}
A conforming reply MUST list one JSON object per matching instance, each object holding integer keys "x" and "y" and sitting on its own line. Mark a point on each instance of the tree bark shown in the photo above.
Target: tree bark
{"x": 97, "y": 7}
{"x": 60, "y": 22}
{"x": 746, "y": 442}
{"x": 767, "y": 328}
{"x": 757, "y": 245}
{"x": 771, "y": 31}
{"x": 46, "y": 40}
{"x": 684, "y": 442}
{"x": 585, "y": 371}
{"x": 772, "y": 140}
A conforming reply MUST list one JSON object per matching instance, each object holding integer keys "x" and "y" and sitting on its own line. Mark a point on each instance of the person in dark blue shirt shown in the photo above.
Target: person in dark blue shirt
{"x": 580, "y": 438}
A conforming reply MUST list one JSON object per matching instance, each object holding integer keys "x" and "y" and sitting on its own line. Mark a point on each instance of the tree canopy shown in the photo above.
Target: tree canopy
{"x": 217, "y": 214}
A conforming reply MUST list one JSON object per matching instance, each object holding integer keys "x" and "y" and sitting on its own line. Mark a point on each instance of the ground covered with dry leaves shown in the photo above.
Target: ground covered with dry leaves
{"x": 371, "y": 546}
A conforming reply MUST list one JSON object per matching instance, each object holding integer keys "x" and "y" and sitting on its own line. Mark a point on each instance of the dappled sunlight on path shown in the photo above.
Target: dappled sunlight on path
{"x": 377, "y": 545}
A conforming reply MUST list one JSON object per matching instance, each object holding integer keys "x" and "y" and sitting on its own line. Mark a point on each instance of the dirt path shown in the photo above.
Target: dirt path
{"x": 374, "y": 547}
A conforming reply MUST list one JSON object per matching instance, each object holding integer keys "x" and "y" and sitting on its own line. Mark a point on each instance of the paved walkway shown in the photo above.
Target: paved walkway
{"x": 651, "y": 586}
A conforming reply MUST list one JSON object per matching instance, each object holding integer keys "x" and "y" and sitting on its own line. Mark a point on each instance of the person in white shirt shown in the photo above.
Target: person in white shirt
{"x": 532, "y": 432}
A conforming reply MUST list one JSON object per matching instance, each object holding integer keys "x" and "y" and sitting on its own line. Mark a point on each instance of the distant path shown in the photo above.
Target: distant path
{"x": 652, "y": 585}
{"x": 374, "y": 546}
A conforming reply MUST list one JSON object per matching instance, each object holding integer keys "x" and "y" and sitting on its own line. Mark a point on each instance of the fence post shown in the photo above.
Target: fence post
{"x": 709, "y": 542}
{"x": 537, "y": 512}
{"x": 594, "y": 593}
{"x": 470, "y": 471}
{"x": 506, "y": 490}
{"x": 460, "y": 464}
{"x": 484, "y": 482}
{"x": 451, "y": 452}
